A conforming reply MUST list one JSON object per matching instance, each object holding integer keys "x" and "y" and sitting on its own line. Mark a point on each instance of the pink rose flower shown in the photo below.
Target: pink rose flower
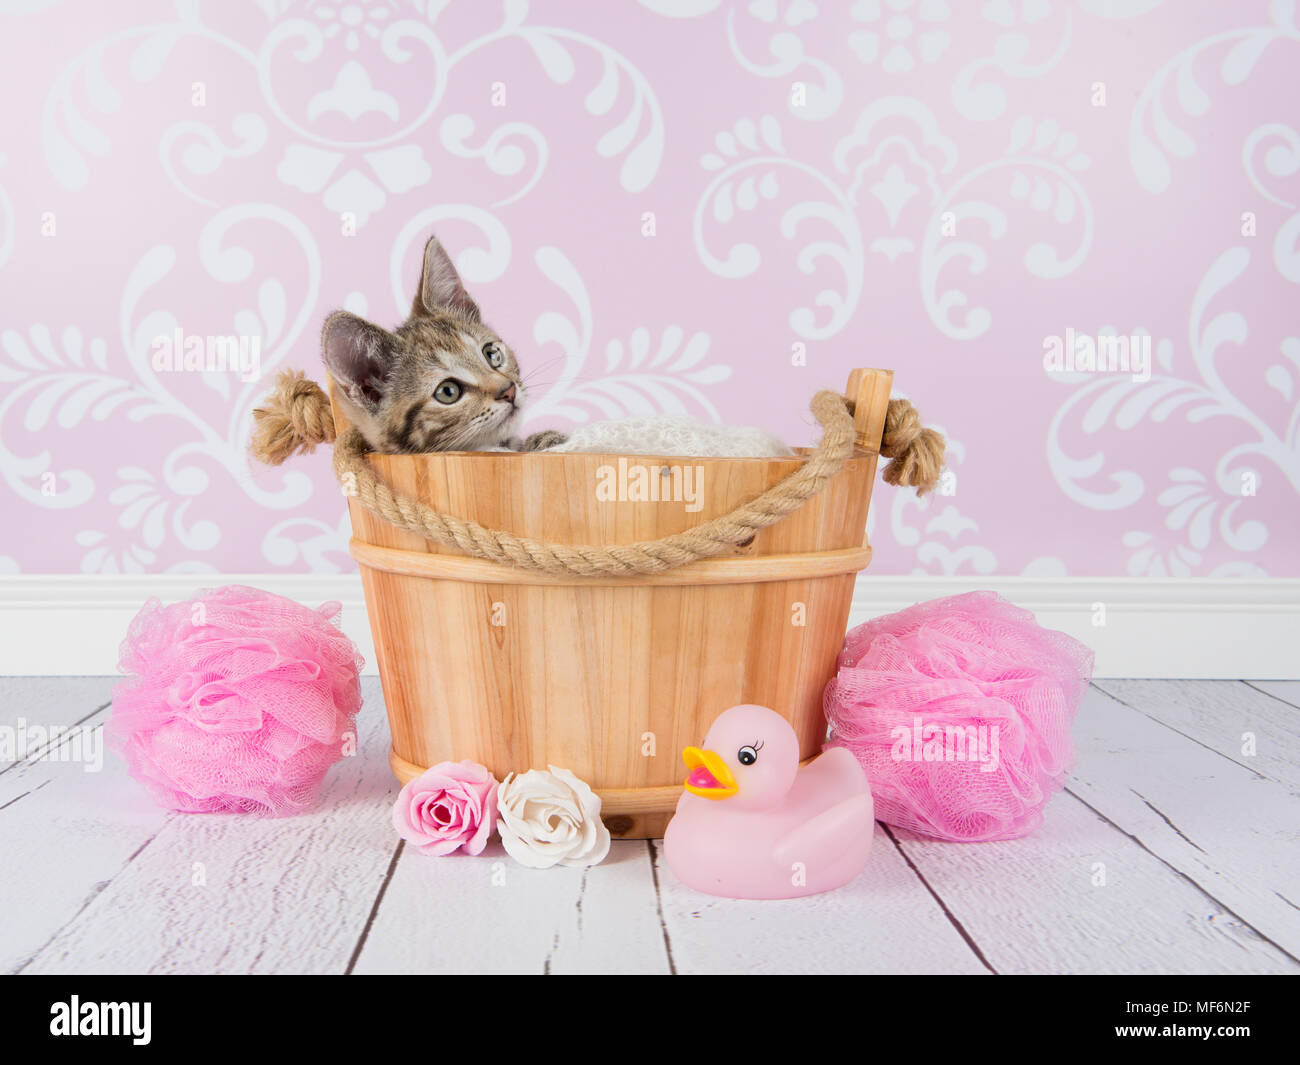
{"x": 447, "y": 807}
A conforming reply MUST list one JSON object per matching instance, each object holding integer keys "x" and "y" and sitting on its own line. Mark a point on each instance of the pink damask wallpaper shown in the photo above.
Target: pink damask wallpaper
{"x": 1071, "y": 228}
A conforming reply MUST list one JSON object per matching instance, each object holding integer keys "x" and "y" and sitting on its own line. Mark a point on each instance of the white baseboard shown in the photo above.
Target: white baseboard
{"x": 1193, "y": 628}
{"x": 1249, "y": 629}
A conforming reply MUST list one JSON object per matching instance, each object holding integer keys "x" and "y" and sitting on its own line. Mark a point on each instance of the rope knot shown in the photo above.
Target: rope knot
{"x": 902, "y": 427}
{"x": 295, "y": 416}
{"x": 917, "y": 453}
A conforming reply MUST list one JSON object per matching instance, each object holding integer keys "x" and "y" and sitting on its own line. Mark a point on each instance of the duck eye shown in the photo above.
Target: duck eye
{"x": 447, "y": 392}
{"x": 747, "y": 756}
{"x": 495, "y": 356}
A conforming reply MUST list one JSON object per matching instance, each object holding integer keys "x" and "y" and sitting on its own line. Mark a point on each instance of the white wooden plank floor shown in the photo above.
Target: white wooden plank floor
{"x": 1173, "y": 849}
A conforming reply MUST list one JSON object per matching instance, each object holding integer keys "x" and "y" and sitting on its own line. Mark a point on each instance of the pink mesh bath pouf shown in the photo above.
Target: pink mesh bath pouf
{"x": 959, "y": 710}
{"x": 239, "y": 701}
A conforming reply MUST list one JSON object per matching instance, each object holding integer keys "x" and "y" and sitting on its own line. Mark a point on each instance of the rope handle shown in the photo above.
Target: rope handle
{"x": 297, "y": 417}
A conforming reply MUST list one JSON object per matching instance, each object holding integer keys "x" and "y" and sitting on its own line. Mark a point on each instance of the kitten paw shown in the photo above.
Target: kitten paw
{"x": 547, "y": 438}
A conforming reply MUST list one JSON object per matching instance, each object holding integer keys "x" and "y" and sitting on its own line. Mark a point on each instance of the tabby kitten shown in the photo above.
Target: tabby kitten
{"x": 441, "y": 381}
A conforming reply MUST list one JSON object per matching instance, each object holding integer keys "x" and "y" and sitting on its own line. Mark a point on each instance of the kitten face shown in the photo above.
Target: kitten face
{"x": 453, "y": 386}
{"x": 442, "y": 381}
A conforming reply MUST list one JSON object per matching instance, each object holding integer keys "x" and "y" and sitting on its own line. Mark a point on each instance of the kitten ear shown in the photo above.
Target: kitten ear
{"x": 360, "y": 357}
{"x": 441, "y": 288}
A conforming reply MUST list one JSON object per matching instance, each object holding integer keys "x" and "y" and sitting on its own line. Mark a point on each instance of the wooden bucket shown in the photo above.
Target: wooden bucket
{"x": 609, "y": 677}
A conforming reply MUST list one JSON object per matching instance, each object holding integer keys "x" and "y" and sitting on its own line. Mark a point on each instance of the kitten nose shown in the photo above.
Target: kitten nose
{"x": 507, "y": 393}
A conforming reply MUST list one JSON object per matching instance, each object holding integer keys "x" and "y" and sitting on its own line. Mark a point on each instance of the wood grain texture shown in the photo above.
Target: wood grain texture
{"x": 612, "y": 678}
{"x": 883, "y": 922}
{"x": 1284, "y": 691}
{"x": 64, "y": 832}
{"x": 870, "y": 390}
{"x": 489, "y": 915}
{"x": 96, "y": 878}
{"x": 1079, "y": 897}
{"x": 232, "y": 894}
{"x": 756, "y": 569}
{"x": 1227, "y": 716}
{"x": 1229, "y": 829}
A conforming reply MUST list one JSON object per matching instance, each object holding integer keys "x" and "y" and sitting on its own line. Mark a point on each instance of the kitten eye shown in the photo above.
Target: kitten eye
{"x": 495, "y": 356}
{"x": 447, "y": 392}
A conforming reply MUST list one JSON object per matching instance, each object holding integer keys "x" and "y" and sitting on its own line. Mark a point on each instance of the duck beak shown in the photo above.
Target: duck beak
{"x": 709, "y": 776}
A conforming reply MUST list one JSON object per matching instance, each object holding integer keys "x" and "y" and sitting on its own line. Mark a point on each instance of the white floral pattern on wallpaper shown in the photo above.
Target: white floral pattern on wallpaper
{"x": 862, "y": 194}
{"x": 662, "y": 200}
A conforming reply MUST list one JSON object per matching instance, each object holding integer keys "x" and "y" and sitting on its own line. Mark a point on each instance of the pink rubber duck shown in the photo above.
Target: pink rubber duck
{"x": 753, "y": 825}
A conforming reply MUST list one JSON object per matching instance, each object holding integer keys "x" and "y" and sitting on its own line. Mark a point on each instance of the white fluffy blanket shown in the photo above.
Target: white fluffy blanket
{"x": 662, "y": 435}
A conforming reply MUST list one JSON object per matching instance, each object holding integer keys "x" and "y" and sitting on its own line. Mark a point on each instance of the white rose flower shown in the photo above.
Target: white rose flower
{"x": 550, "y": 819}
